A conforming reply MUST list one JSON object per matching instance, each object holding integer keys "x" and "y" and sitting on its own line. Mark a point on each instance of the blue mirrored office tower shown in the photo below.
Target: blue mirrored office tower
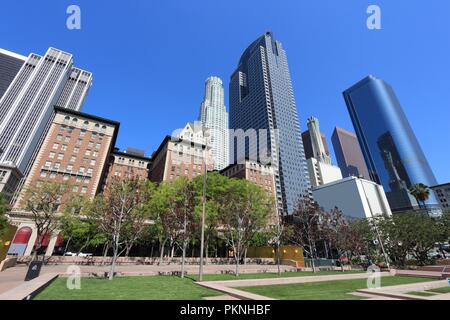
{"x": 390, "y": 148}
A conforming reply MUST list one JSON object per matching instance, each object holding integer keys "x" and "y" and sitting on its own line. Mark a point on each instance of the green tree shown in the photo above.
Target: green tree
{"x": 421, "y": 192}
{"x": 444, "y": 222}
{"x": 44, "y": 202}
{"x": 4, "y": 208}
{"x": 410, "y": 233}
{"x": 445, "y": 219}
{"x": 174, "y": 203}
{"x": 217, "y": 184}
{"x": 244, "y": 209}
{"x": 79, "y": 231}
{"x": 121, "y": 213}
{"x": 305, "y": 228}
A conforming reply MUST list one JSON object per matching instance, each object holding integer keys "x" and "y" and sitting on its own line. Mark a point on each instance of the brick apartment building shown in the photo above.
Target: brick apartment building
{"x": 260, "y": 174}
{"x": 127, "y": 164}
{"x": 182, "y": 155}
{"x": 76, "y": 151}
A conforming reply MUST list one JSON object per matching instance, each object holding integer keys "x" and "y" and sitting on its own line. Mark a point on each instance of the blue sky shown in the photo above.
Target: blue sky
{"x": 150, "y": 58}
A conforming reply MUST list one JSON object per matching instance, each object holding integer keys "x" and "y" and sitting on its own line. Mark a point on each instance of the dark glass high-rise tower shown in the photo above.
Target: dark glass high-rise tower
{"x": 261, "y": 98}
{"x": 390, "y": 148}
{"x": 10, "y": 64}
{"x": 348, "y": 154}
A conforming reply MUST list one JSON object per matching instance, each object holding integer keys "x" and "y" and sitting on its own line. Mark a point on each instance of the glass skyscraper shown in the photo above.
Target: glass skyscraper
{"x": 392, "y": 153}
{"x": 348, "y": 154}
{"x": 10, "y": 64}
{"x": 26, "y": 107}
{"x": 262, "y": 99}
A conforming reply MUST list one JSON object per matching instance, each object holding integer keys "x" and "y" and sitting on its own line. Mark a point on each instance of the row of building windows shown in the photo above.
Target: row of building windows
{"x": 67, "y": 119}
{"x": 57, "y": 166}
{"x": 73, "y": 158}
{"x": 132, "y": 162}
{"x": 66, "y": 177}
{"x": 64, "y": 146}
{"x": 82, "y": 133}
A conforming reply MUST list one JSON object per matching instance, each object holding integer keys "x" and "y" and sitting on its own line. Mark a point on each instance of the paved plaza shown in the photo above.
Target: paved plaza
{"x": 12, "y": 280}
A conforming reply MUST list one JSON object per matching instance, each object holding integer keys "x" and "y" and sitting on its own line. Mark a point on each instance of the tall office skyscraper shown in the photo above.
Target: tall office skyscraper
{"x": 348, "y": 154}
{"x": 320, "y": 169}
{"x": 317, "y": 142}
{"x": 391, "y": 150}
{"x": 262, "y": 99}
{"x": 214, "y": 117}
{"x": 27, "y": 106}
{"x": 307, "y": 145}
{"x": 10, "y": 64}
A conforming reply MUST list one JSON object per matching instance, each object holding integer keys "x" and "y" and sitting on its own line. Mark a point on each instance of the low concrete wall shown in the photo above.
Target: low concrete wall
{"x": 9, "y": 262}
{"x": 140, "y": 260}
{"x": 440, "y": 268}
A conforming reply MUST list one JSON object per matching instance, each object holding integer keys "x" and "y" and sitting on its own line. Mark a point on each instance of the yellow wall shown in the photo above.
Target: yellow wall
{"x": 5, "y": 241}
{"x": 287, "y": 253}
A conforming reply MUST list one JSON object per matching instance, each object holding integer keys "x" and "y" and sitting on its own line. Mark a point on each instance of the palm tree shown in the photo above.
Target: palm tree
{"x": 421, "y": 192}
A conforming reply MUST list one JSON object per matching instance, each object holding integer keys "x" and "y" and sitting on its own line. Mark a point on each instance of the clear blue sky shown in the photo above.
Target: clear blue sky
{"x": 150, "y": 58}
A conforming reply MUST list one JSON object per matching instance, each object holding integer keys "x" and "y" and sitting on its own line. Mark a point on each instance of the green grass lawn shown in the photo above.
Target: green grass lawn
{"x": 266, "y": 275}
{"x": 421, "y": 293}
{"x": 128, "y": 288}
{"x": 431, "y": 292}
{"x": 327, "y": 290}
{"x": 441, "y": 290}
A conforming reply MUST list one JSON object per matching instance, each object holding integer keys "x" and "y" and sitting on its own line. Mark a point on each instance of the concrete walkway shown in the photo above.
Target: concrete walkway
{"x": 229, "y": 286}
{"x": 221, "y": 298}
{"x": 11, "y": 278}
{"x": 401, "y": 291}
{"x": 26, "y": 289}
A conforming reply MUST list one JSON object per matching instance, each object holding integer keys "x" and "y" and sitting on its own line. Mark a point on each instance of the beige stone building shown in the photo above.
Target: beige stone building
{"x": 182, "y": 155}
{"x": 76, "y": 150}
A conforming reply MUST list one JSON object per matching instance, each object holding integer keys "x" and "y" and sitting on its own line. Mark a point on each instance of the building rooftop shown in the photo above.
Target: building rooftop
{"x": 13, "y": 54}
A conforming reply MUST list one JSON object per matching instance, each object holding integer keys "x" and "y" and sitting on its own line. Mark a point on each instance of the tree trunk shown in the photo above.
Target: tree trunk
{"x": 67, "y": 245}
{"x": 163, "y": 244}
{"x": 105, "y": 252}
{"x": 183, "y": 258}
{"x": 127, "y": 252}
{"x": 206, "y": 249}
{"x": 114, "y": 258}
{"x": 326, "y": 248}
{"x": 37, "y": 247}
{"x": 83, "y": 246}
{"x": 278, "y": 258}
{"x": 236, "y": 257}
{"x": 311, "y": 250}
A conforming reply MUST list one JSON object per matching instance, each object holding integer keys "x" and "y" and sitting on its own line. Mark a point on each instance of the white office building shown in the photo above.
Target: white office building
{"x": 26, "y": 107}
{"x": 355, "y": 197}
{"x": 214, "y": 117}
{"x": 322, "y": 173}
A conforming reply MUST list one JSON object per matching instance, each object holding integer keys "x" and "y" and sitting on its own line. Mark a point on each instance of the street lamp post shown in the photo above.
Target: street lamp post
{"x": 202, "y": 241}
